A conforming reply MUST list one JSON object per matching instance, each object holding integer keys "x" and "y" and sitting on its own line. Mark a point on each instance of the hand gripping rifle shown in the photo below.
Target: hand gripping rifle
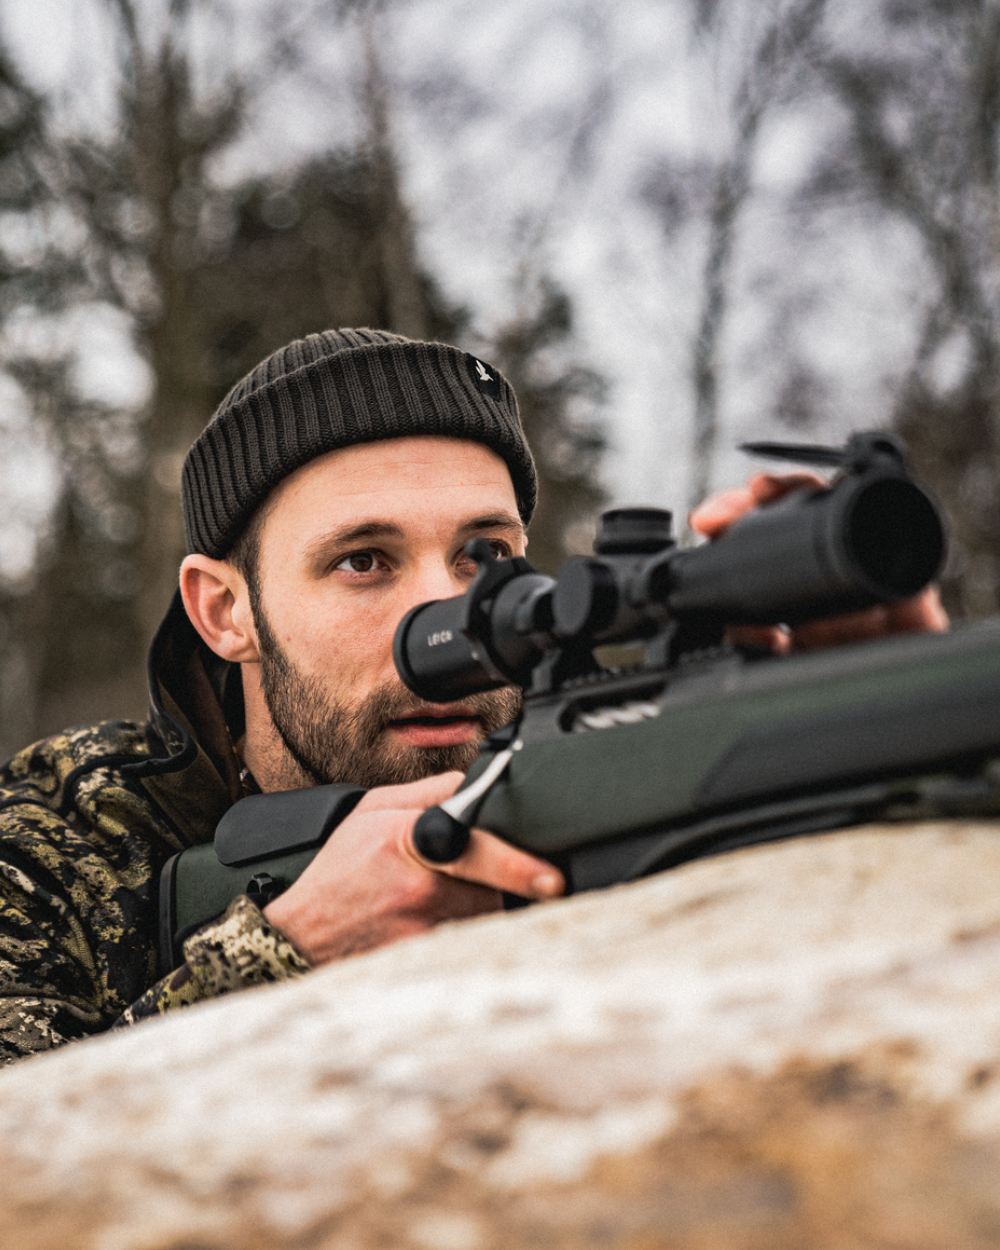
{"x": 694, "y": 747}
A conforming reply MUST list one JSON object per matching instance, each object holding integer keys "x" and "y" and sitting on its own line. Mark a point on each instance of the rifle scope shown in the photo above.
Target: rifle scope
{"x": 491, "y": 636}
{"x": 872, "y": 537}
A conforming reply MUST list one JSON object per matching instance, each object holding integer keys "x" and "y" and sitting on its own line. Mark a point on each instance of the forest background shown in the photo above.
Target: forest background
{"x": 675, "y": 224}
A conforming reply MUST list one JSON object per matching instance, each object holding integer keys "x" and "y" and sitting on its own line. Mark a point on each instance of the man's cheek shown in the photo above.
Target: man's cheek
{"x": 357, "y": 650}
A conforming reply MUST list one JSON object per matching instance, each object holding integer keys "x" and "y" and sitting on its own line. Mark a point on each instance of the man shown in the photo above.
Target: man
{"x": 334, "y": 488}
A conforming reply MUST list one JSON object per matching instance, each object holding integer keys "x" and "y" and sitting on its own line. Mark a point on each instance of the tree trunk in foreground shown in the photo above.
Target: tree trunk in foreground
{"x": 796, "y": 1045}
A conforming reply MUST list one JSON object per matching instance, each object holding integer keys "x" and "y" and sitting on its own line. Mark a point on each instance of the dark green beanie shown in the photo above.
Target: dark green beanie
{"x": 333, "y": 390}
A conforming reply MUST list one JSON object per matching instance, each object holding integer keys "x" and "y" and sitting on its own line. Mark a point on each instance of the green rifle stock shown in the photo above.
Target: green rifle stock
{"x": 738, "y": 751}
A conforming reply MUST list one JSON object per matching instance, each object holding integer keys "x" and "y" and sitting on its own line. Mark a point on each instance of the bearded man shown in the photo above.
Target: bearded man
{"x": 334, "y": 488}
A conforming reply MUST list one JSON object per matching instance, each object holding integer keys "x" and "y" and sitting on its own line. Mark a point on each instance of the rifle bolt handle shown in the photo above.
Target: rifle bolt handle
{"x": 439, "y": 837}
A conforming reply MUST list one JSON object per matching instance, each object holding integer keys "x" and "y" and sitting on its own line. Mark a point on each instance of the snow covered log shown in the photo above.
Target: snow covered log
{"x": 794, "y": 1045}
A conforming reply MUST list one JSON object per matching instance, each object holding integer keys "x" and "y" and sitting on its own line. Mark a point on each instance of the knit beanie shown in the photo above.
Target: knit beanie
{"x": 332, "y": 390}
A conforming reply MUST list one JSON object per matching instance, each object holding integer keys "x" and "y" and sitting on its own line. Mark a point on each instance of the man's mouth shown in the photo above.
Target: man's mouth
{"x": 444, "y": 726}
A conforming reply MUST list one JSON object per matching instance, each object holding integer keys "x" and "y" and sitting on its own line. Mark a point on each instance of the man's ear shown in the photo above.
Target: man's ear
{"x": 217, "y": 602}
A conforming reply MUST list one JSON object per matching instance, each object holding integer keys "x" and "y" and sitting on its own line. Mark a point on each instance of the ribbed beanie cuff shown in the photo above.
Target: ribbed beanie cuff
{"x": 333, "y": 390}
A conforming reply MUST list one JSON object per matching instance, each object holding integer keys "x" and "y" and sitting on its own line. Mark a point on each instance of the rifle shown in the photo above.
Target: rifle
{"x": 693, "y": 747}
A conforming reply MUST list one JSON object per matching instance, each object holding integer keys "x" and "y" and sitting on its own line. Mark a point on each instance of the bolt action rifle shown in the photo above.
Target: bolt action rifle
{"x": 694, "y": 747}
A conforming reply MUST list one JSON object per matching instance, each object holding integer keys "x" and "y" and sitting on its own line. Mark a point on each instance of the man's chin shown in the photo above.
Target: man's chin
{"x": 416, "y": 763}
{"x": 400, "y": 765}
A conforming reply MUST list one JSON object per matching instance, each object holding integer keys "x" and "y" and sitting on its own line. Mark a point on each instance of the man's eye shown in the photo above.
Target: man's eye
{"x": 358, "y": 562}
{"x": 498, "y": 548}
{"x": 466, "y": 566}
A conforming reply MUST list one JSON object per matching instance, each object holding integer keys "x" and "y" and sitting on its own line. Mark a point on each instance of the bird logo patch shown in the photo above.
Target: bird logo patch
{"x": 485, "y": 376}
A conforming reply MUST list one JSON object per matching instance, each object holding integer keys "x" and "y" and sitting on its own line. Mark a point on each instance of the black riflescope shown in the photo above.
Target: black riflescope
{"x": 491, "y": 636}
{"x": 873, "y": 537}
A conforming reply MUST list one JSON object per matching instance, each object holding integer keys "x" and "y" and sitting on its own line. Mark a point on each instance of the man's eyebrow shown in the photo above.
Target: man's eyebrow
{"x": 361, "y": 531}
{"x": 495, "y": 521}
{"x": 375, "y": 530}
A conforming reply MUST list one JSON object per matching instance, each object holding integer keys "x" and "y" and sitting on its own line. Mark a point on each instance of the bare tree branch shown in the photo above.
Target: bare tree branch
{"x": 775, "y": 59}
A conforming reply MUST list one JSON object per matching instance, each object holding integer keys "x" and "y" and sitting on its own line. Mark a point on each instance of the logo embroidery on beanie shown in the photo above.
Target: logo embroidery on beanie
{"x": 484, "y": 376}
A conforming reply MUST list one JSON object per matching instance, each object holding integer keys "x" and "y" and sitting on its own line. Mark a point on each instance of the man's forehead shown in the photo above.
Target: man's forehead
{"x": 370, "y": 465}
{"x": 401, "y": 482}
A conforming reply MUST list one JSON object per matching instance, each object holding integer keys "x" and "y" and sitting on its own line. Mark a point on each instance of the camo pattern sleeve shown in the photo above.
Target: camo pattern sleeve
{"x": 238, "y": 950}
{"x": 79, "y": 853}
{"x": 47, "y": 975}
{"x": 81, "y": 850}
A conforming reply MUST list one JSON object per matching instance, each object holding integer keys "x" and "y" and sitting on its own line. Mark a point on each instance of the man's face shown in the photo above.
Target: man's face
{"x": 350, "y": 542}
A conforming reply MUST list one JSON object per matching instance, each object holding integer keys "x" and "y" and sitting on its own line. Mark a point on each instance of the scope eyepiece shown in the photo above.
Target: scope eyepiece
{"x": 491, "y": 636}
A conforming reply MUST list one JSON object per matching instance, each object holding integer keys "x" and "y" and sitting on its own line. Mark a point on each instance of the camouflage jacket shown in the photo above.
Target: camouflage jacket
{"x": 87, "y": 819}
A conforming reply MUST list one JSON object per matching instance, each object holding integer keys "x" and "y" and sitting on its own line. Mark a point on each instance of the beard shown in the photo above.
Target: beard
{"x": 332, "y": 741}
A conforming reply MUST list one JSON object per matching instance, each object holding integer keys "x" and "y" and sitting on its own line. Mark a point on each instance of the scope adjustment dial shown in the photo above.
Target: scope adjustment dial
{"x": 585, "y": 598}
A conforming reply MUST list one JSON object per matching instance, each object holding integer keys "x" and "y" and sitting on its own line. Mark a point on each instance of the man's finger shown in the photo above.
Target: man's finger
{"x": 769, "y": 487}
{"x": 719, "y": 511}
{"x": 851, "y": 627}
{"x": 413, "y": 795}
{"x": 924, "y": 613}
{"x": 775, "y": 639}
{"x": 492, "y": 862}
{"x": 715, "y": 515}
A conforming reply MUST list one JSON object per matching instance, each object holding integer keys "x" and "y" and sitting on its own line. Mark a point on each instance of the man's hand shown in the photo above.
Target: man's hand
{"x": 368, "y": 886}
{"x": 923, "y": 613}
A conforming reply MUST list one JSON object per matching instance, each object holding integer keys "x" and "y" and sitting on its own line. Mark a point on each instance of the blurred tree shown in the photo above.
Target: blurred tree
{"x": 775, "y": 56}
{"x": 300, "y": 253}
{"x": 901, "y": 102}
{"x": 129, "y": 202}
{"x": 22, "y": 187}
{"x": 776, "y": 70}
{"x": 208, "y": 277}
{"x": 72, "y": 626}
{"x": 560, "y": 400}
{"x": 41, "y": 272}
{"x": 921, "y": 101}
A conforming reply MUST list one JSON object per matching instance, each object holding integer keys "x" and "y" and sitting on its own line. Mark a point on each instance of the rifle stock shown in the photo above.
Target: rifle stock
{"x": 738, "y": 751}
{"x": 743, "y": 750}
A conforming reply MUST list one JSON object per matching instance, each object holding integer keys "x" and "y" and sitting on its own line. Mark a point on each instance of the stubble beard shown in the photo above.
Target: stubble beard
{"x": 331, "y": 741}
